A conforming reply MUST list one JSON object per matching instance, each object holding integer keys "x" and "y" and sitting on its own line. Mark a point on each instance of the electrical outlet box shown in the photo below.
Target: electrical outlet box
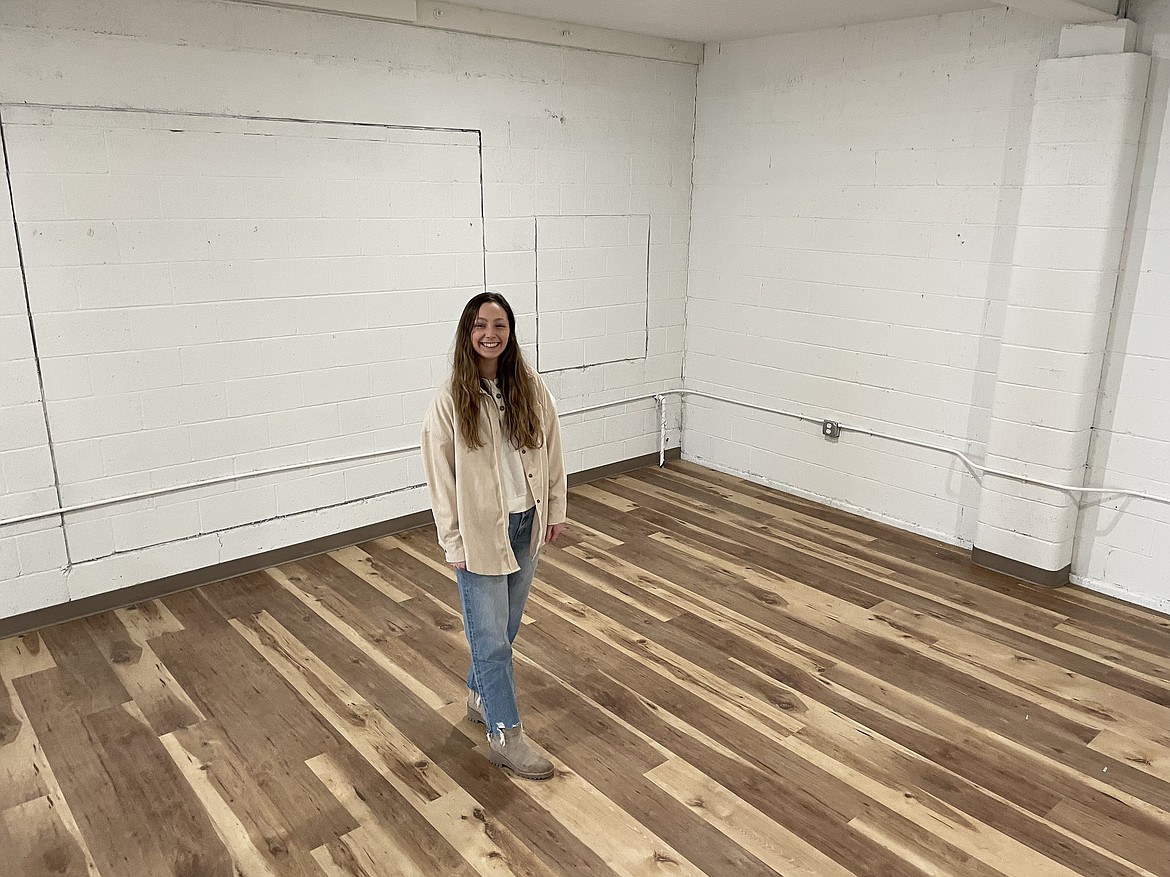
{"x": 830, "y": 429}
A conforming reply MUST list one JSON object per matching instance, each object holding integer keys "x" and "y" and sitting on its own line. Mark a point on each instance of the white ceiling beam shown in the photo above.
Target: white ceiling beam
{"x": 1067, "y": 11}
{"x": 450, "y": 16}
{"x": 465, "y": 19}
{"x": 381, "y": 10}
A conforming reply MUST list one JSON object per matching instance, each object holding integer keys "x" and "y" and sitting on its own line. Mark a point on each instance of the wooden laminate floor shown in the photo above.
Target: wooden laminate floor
{"x": 730, "y": 681}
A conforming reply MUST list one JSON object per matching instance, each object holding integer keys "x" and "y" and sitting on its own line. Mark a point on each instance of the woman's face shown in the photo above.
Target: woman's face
{"x": 489, "y": 332}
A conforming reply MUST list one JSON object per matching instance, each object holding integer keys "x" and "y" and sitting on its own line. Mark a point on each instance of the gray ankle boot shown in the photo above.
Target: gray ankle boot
{"x": 510, "y": 749}
{"x": 475, "y": 708}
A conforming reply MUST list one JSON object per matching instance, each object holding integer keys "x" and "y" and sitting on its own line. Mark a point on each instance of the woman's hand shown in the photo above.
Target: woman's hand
{"x": 553, "y": 531}
{"x": 460, "y": 565}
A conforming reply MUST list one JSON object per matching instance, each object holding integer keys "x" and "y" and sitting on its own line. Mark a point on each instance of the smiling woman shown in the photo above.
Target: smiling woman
{"x": 486, "y": 350}
{"x": 492, "y": 448}
{"x": 489, "y": 336}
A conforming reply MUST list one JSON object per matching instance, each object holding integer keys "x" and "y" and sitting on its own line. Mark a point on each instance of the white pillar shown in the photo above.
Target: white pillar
{"x": 1082, "y": 150}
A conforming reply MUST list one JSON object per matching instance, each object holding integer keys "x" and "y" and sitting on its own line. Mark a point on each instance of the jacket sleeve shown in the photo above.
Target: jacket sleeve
{"x": 438, "y": 453}
{"x": 557, "y": 489}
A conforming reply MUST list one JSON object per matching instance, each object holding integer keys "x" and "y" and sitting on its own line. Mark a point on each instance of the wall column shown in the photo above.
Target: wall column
{"x": 1082, "y": 151}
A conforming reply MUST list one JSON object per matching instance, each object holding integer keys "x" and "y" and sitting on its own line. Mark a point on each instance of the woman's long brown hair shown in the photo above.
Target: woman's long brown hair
{"x": 517, "y": 382}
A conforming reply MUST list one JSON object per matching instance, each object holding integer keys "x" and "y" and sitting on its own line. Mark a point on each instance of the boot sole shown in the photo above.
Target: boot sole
{"x": 473, "y": 716}
{"x": 499, "y": 761}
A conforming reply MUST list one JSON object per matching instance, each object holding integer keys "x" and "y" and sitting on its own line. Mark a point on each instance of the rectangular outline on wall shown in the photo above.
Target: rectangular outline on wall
{"x": 6, "y": 105}
{"x": 536, "y": 273}
{"x": 9, "y": 105}
{"x": 32, "y": 334}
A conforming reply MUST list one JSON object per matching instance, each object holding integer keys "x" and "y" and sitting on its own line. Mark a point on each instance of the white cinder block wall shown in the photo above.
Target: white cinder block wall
{"x": 855, "y": 196}
{"x": 152, "y": 378}
{"x": 856, "y": 201}
{"x": 1123, "y": 546}
{"x": 854, "y": 215}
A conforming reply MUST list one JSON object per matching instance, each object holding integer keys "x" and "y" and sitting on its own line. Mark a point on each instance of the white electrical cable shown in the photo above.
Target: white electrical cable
{"x": 659, "y": 398}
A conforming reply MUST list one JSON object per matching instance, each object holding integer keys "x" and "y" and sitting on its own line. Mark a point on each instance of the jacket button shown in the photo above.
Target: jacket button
{"x": 523, "y": 451}
{"x": 501, "y": 407}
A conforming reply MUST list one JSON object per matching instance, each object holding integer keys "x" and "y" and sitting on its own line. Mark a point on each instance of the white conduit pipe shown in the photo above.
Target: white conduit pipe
{"x": 967, "y": 461}
{"x": 660, "y": 399}
{"x": 207, "y": 482}
{"x": 1026, "y": 479}
{"x": 275, "y": 470}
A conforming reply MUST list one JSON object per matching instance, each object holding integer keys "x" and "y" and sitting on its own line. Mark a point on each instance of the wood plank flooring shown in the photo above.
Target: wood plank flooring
{"x": 731, "y": 681}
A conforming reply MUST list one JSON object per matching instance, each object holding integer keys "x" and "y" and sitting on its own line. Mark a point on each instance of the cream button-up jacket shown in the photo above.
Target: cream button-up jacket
{"x": 467, "y": 494}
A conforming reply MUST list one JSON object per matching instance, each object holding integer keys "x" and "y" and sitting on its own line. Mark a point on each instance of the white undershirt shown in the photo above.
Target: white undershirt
{"x": 517, "y": 495}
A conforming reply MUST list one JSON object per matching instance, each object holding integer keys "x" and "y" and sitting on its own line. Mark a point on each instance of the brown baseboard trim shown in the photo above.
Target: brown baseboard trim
{"x": 195, "y": 578}
{"x": 1034, "y": 575}
{"x": 86, "y": 606}
{"x": 622, "y": 466}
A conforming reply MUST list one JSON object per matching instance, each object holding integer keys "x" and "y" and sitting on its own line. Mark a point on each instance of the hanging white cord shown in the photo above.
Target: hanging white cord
{"x": 661, "y": 430}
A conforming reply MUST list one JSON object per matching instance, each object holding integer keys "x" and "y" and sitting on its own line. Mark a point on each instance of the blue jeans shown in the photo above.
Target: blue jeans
{"x": 492, "y": 608}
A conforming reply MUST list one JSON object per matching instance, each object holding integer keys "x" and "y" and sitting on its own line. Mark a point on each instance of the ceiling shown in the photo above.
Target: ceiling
{"x": 705, "y": 21}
